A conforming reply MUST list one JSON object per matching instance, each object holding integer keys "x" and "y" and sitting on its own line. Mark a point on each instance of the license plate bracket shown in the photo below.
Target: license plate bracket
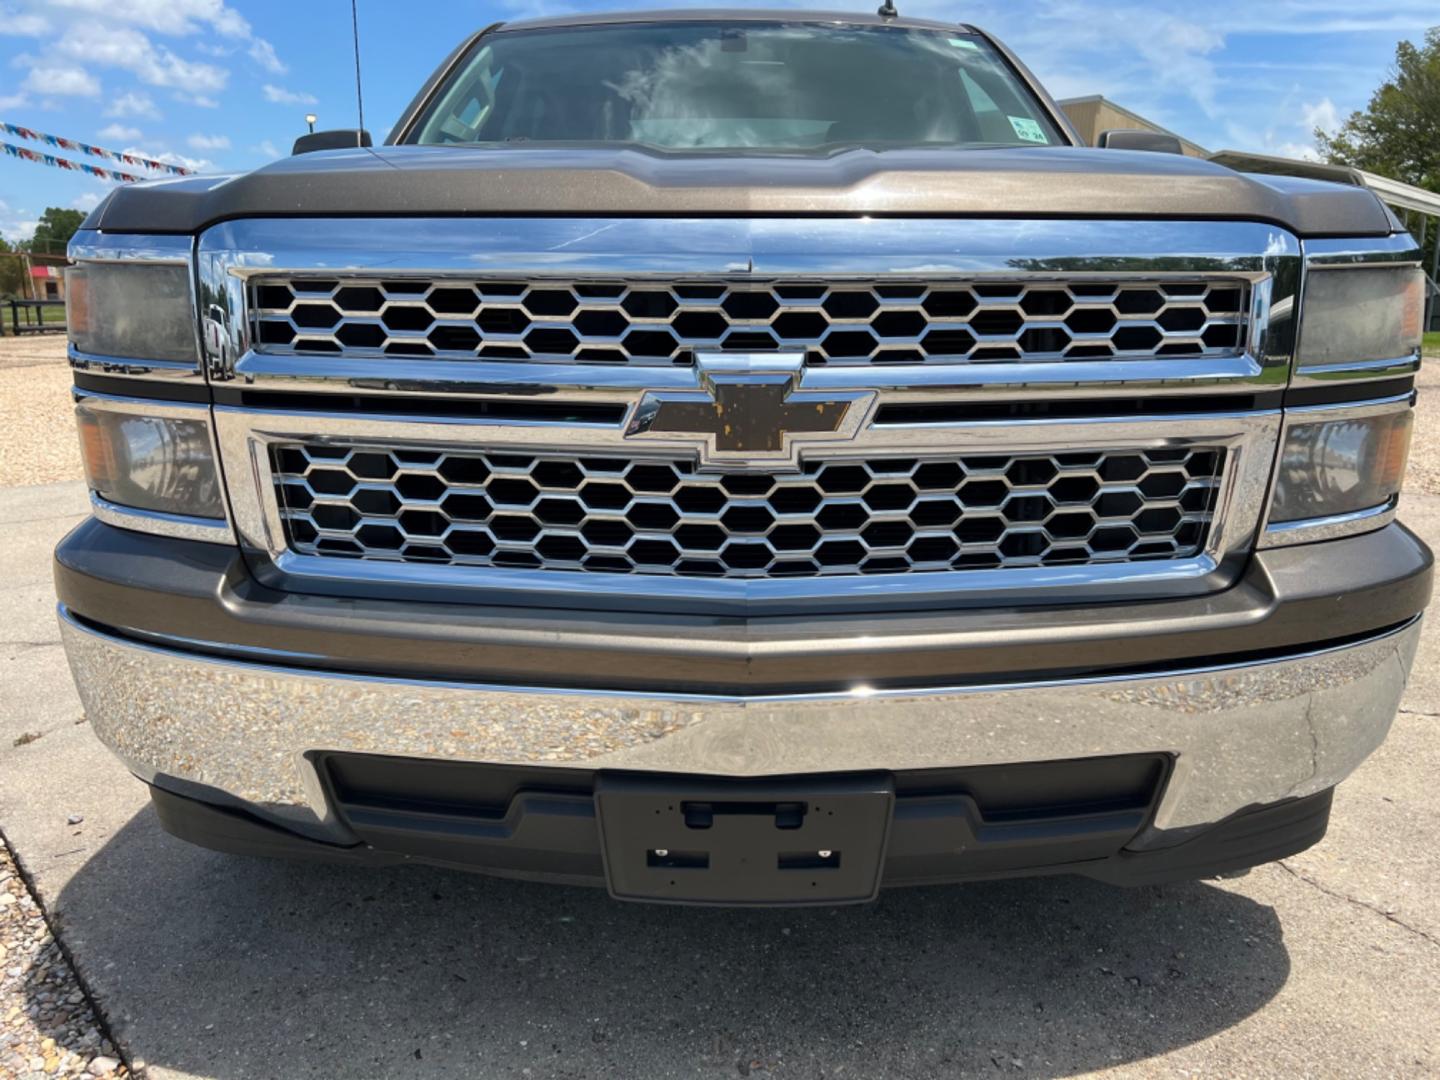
{"x": 764, "y": 842}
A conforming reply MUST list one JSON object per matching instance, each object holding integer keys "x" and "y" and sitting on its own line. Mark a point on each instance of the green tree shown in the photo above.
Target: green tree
{"x": 1398, "y": 133}
{"x": 12, "y": 270}
{"x": 57, "y": 226}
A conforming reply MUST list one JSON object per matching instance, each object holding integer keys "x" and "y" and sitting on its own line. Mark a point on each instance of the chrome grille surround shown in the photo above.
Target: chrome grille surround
{"x": 568, "y": 407}
{"x": 1088, "y": 317}
{"x": 612, "y": 514}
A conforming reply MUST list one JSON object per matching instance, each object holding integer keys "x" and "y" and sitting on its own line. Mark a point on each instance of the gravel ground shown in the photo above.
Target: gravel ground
{"x": 1423, "y": 475}
{"x": 47, "y": 1025}
{"x": 37, "y": 440}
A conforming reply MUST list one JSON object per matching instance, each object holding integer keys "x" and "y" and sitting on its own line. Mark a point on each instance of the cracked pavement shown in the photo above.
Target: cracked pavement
{"x": 209, "y": 966}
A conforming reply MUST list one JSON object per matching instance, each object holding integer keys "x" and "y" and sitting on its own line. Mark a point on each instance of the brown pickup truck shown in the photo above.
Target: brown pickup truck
{"x": 745, "y": 458}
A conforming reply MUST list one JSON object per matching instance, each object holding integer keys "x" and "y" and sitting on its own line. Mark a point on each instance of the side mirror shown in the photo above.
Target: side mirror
{"x": 339, "y": 139}
{"x": 1138, "y": 139}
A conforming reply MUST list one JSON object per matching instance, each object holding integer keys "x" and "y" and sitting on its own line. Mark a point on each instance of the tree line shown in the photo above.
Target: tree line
{"x": 1398, "y": 133}
{"x": 57, "y": 225}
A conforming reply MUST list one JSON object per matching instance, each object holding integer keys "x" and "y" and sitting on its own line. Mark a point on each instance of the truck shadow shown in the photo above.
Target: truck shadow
{"x": 229, "y": 967}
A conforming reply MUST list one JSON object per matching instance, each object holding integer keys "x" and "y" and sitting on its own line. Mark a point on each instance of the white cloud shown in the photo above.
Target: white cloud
{"x": 119, "y": 133}
{"x": 269, "y": 149}
{"x": 16, "y": 224}
{"x": 1127, "y": 52}
{"x": 174, "y": 17}
{"x": 87, "y": 201}
{"x": 14, "y": 101}
{"x": 1323, "y": 115}
{"x": 132, "y": 104}
{"x": 62, "y": 80}
{"x": 280, "y": 96}
{"x": 205, "y": 101}
{"x": 209, "y": 142}
{"x": 1277, "y": 141}
{"x": 263, "y": 53}
{"x": 24, "y": 24}
{"x": 132, "y": 51}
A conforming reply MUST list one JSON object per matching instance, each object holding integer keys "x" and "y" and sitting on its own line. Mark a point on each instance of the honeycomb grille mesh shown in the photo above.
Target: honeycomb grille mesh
{"x": 660, "y": 323}
{"x": 834, "y": 517}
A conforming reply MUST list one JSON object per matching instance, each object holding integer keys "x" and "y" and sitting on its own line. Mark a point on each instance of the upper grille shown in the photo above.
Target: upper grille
{"x": 659, "y": 323}
{"x": 660, "y": 516}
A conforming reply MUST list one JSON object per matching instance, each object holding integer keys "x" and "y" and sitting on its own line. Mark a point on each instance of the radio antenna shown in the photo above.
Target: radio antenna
{"x": 887, "y": 10}
{"x": 359, "y": 99}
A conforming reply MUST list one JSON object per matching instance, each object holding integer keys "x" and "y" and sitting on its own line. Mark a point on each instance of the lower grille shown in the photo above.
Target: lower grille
{"x": 839, "y": 516}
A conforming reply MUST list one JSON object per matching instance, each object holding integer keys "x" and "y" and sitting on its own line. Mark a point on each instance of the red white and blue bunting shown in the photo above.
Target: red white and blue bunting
{"x": 137, "y": 160}
{"x": 65, "y": 163}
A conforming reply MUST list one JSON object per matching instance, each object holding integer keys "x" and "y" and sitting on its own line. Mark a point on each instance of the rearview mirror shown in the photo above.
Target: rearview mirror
{"x": 339, "y": 139}
{"x": 1139, "y": 139}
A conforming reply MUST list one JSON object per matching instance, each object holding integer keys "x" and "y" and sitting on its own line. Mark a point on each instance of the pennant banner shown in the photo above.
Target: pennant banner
{"x": 65, "y": 163}
{"x": 93, "y": 151}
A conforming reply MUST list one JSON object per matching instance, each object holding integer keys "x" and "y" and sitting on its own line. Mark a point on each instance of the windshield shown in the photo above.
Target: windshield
{"x": 734, "y": 87}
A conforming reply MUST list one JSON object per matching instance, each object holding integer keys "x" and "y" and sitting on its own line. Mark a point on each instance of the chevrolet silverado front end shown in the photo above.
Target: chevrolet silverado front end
{"x": 744, "y": 458}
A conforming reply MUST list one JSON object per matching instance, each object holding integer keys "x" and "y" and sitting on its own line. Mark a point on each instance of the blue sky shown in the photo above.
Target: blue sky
{"x": 225, "y": 86}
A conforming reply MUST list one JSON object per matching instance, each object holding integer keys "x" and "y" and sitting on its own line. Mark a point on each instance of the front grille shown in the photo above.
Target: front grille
{"x": 662, "y": 323}
{"x": 841, "y": 516}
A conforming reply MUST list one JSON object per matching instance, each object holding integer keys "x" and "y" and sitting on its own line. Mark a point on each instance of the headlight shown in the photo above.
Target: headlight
{"x": 1353, "y": 314}
{"x": 158, "y": 463}
{"x": 131, "y": 310}
{"x": 1345, "y": 465}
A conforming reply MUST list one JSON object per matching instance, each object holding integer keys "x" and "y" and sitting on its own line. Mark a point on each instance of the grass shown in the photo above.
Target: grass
{"x": 1432, "y": 343}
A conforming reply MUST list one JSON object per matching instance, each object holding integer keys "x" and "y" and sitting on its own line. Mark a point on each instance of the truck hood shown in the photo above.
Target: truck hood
{"x": 1036, "y": 182}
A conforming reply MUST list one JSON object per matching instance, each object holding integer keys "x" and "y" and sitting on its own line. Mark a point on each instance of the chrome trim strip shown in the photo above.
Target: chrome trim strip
{"x": 92, "y": 245}
{"x": 124, "y": 403}
{"x": 753, "y": 247}
{"x": 1241, "y": 734}
{"x": 1300, "y": 414}
{"x": 130, "y": 367}
{"x": 1312, "y": 530}
{"x": 755, "y": 596}
{"x": 180, "y": 526}
{"x": 1248, "y": 439}
{"x": 1361, "y": 251}
{"x": 618, "y": 383}
{"x": 1355, "y": 371}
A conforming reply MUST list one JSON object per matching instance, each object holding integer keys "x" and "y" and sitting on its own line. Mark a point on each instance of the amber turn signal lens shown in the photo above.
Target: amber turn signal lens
{"x": 1412, "y": 308}
{"x": 95, "y": 452}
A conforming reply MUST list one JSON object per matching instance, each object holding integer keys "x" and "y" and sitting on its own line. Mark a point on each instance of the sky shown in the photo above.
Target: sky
{"x": 225, "y": 86}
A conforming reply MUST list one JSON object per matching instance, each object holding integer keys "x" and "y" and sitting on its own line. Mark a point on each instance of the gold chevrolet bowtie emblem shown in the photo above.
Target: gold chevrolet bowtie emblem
{"x": 749, "y": 408}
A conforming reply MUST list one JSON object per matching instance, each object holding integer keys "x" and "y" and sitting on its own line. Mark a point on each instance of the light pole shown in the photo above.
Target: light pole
{"x": 310, "y": 119}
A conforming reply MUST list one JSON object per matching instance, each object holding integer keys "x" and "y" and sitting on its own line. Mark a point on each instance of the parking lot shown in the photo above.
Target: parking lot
{"x": 210, "y": 966}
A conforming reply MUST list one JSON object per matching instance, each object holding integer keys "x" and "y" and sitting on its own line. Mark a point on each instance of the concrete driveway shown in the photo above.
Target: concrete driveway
{"x": 205, "y": 965}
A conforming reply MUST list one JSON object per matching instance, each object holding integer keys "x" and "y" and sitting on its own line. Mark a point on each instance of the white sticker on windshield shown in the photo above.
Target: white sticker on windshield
{"x": 1028, "y": 129}
{"x": 964, "y": 43}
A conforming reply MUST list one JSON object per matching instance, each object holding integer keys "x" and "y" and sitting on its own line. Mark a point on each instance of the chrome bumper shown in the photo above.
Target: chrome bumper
{"x": 244, "y": 733}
